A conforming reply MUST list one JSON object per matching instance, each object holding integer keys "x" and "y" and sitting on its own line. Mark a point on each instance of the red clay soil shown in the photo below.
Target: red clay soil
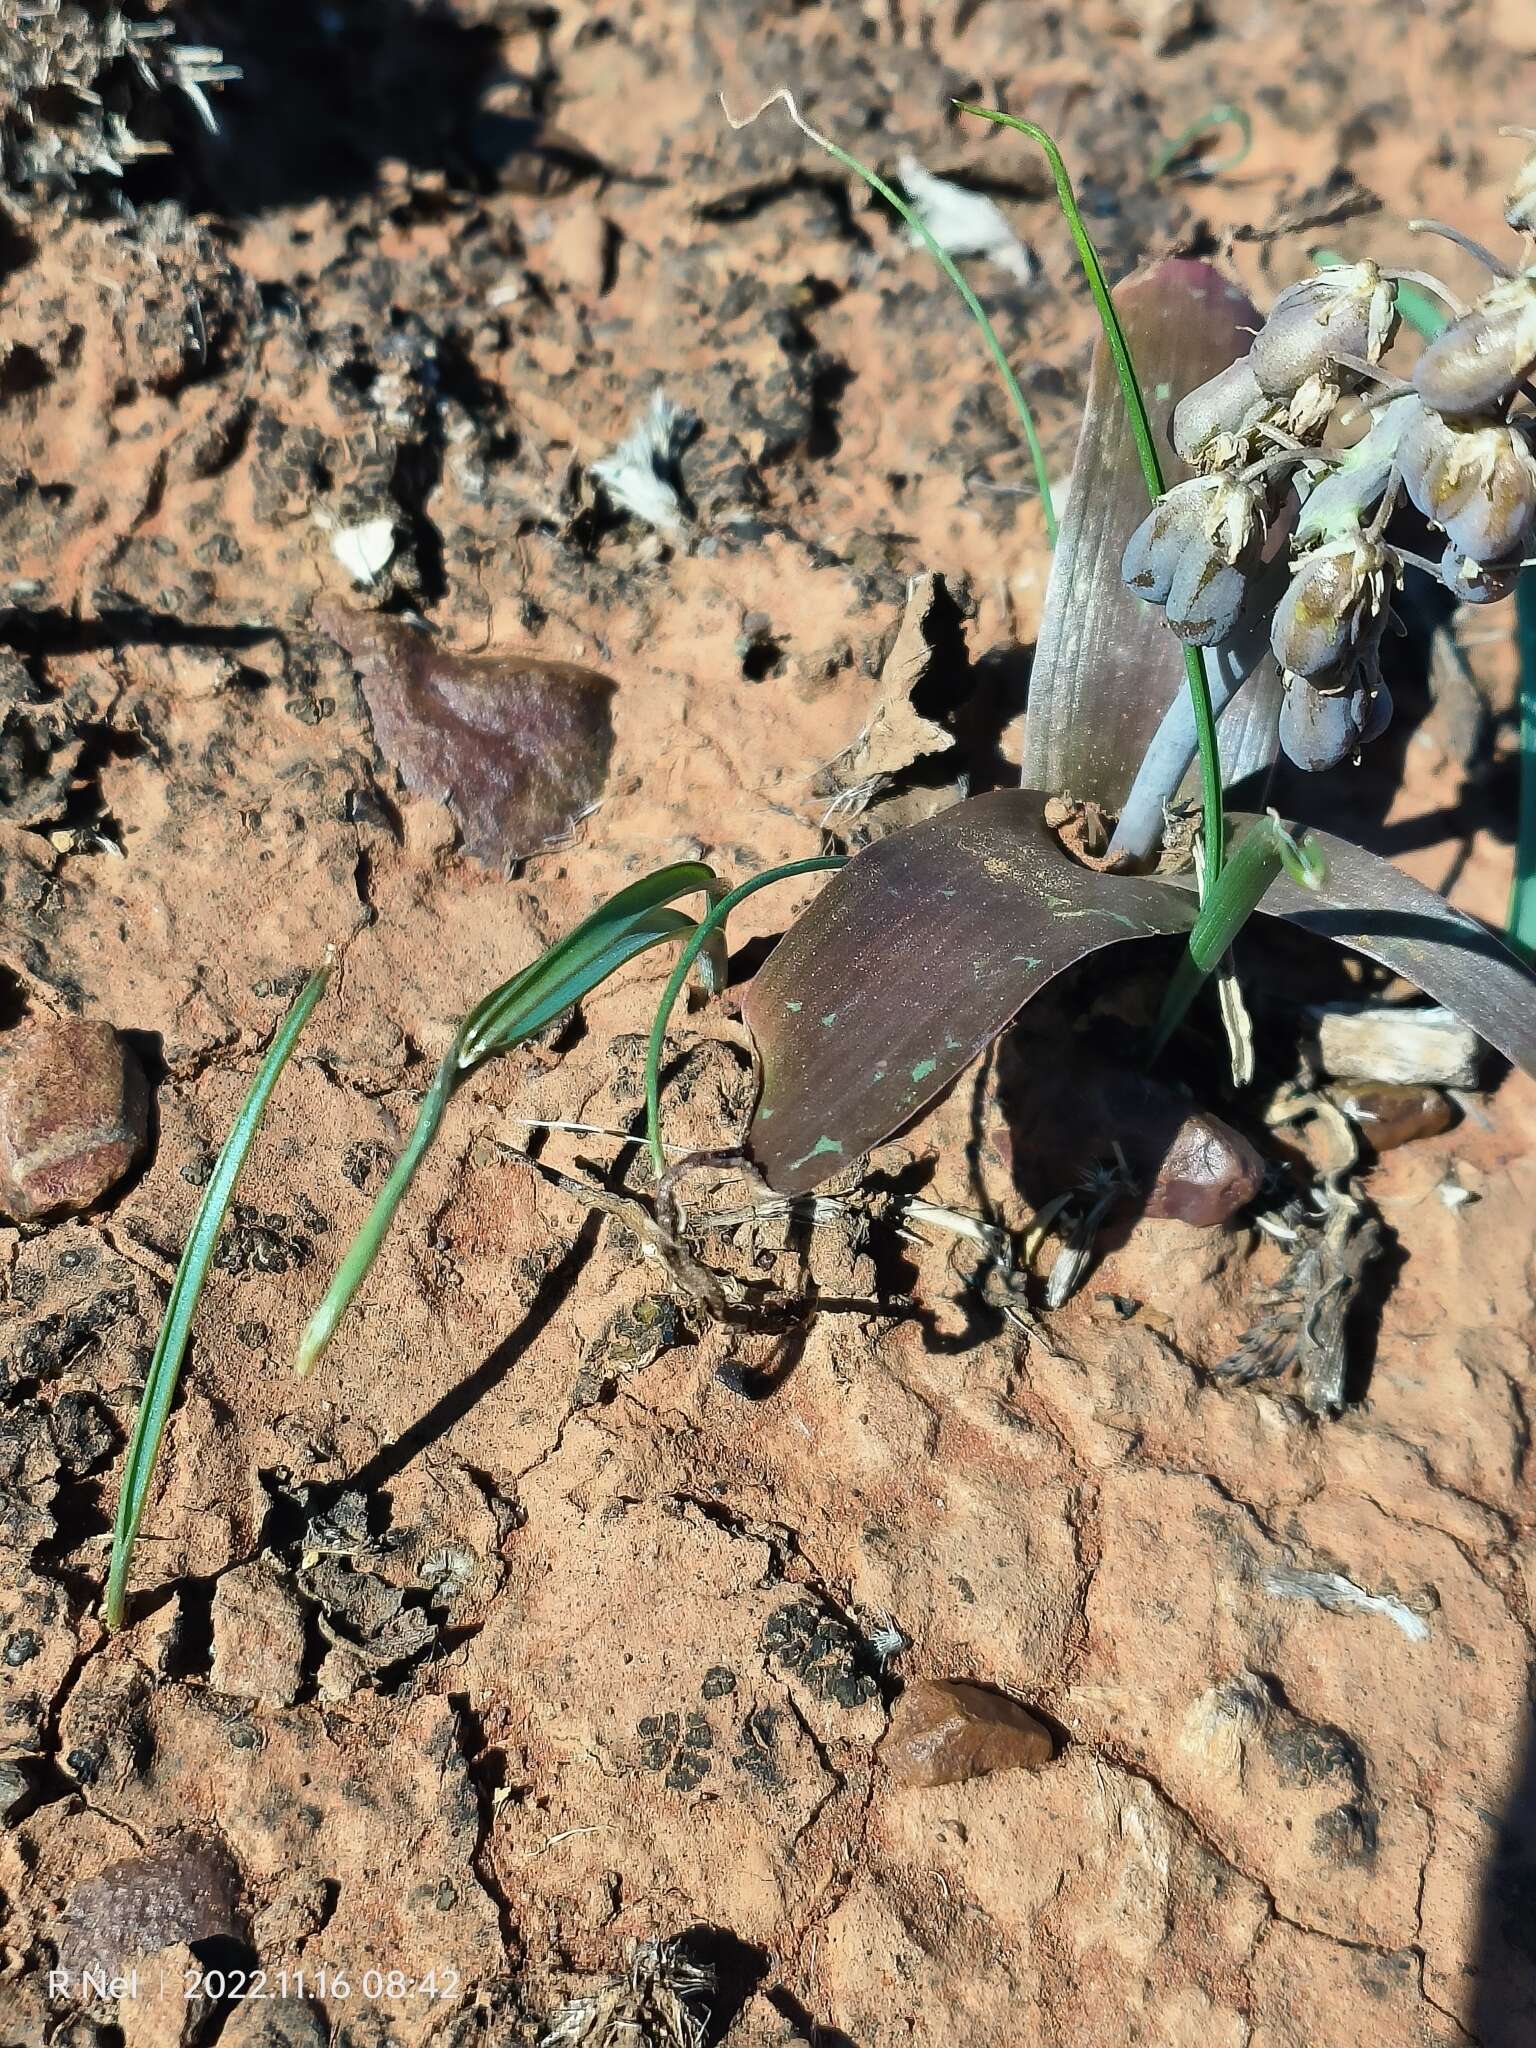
{"x": 539, "y": 1620}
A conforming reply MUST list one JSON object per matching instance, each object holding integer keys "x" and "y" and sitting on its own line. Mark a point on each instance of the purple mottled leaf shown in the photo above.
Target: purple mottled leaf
{"x": 1107, "y": 668}
{"x": 515, "y": 745}
{"x": 927, "y": 945}
{"x": 911, "y": 961}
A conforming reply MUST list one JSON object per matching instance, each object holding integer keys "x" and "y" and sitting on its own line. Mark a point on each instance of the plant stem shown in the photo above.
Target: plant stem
{"x": 1151, "y": 469}
{"x": 1228, "y": 905}
{"x": 181, "y": 1305}
{"x": 1522, "y": 895}
{"x": 364, "y": 1248}
{"x": 708, "y": 925}
{"x": 946, "y": 263}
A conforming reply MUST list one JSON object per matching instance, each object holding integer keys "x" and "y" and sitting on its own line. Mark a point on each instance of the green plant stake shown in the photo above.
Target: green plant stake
{"x": 176, "y": 1328}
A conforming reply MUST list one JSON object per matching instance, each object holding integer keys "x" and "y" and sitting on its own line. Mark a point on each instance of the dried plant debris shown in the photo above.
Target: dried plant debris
{"x": 925, "y": 668}
{"x": 641, "y": 475}
{"x": 1334, "y": 1236}
{"x": 1338, "y": 1595}
{"x": 86, "y": 89}
{"x": 658, "y": 2002}
{"x": 515, "y": 745}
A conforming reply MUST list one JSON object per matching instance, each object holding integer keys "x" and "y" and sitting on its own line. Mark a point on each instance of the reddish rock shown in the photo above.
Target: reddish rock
{"x": 1067, "y": 1113}
{"x": 73, "y": 1110}
{"x": 184, "y": 1888}
{"x": 1207, "y": 1174}
{"x": 944, "y": 1731}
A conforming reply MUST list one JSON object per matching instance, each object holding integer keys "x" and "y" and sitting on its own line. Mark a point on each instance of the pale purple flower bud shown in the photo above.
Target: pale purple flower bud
{"x": 1477, "y": 481}
{"x": 1210, "y": 421}
{"x": 1206, "y": 599}
{"x": 1176, "y": 522}
{"x": 1319, "y": 731}
{"x": 1474, "y": 364}
{"x": 1477, "y": 582}
{"x": 1347, "y": 311}
{"x": 1335, "y": 599}
{"x": 1194, "y": 552}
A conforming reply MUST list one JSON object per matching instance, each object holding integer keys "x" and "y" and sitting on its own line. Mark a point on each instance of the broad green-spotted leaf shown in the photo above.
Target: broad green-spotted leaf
{"x": 915, "y": 957}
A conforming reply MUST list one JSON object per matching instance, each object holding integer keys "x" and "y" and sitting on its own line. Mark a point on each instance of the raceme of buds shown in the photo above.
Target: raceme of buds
{"x": 1211, "y": 423}
{"x": 1349, "y": 310}
{"x": 1474, "y": 365}
{"x": 1195, "y": 552}
{"x": 1459, "y": 440}
{"x": 1335, "y": 599}
{"x": 1477, "y": 481}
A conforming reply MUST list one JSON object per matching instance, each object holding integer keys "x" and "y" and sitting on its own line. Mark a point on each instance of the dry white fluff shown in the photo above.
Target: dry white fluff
{"x": 365, "y": 551}
{"x": 640, "y": 475}
{"x": 963, "y": 223}
{"x": 1338, "y": 1595}
{"x": 645, "y": 2008}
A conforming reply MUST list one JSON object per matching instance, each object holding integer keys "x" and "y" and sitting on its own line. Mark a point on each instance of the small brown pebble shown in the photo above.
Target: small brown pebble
{"x": 73, "y": 1115}
{"x": 944, "y": 1731}
{"x": 1393, "y": 1113}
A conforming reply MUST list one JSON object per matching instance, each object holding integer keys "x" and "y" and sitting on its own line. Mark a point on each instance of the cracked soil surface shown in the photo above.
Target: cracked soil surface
{"x": 538, "y": 1621}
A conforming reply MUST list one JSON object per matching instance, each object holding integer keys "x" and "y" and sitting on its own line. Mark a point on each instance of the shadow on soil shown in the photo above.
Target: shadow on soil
{"x": 1505, "y": 2015}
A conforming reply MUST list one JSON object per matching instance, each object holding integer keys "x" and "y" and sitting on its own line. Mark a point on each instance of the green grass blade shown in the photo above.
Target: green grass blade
{"x": 709, "y": 926}
{"x": 544, "y": 997}
{"x": 947, "y": 264}
{"x": 175, "y": 1329}
{"x": 1521, "y": 921}
{"x": 364, "y": 1248}
{"x": 1151, "y": 468}
{"x": 485, "y": 1027}
{"x": 1222, "y": 116}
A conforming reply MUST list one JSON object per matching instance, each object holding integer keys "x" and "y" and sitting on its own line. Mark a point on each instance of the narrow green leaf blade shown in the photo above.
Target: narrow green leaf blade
{"x": 486, "y": 1026}
{"x": 186, "y": 1289}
